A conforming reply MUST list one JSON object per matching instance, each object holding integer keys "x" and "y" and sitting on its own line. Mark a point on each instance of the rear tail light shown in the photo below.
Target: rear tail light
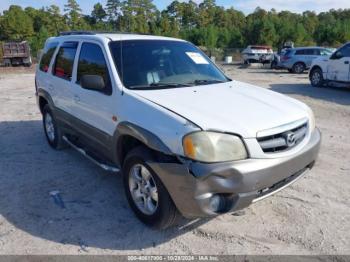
{"x": 285, "y": 58}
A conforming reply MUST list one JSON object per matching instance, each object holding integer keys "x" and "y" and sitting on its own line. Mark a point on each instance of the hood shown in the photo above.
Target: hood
{"x": 233, "y": 107}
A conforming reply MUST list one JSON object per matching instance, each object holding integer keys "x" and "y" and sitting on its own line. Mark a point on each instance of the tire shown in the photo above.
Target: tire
{"x": 52, "y": 130}
{"x": 161, "y": 213}
{"x": 273, "y": 65}
{"x": 298, "y": 68}
{"x": 290, "y": 70}
{"x": 316, "y": 77}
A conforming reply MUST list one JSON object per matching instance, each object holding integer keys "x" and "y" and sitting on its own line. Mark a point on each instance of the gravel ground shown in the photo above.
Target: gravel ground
{"x": 310, "y": 217}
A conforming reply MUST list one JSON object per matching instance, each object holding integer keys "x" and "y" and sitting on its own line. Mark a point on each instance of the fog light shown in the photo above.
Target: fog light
{"x": 216, "y": 203}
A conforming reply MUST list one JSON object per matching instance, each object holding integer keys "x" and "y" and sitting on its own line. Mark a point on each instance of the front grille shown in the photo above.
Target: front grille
{"x": 283, "y": 141}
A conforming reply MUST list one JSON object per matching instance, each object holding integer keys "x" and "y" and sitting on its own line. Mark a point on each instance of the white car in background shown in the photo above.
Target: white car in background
{"x": 335, "y": 68}
{"x": 257, "y": 54}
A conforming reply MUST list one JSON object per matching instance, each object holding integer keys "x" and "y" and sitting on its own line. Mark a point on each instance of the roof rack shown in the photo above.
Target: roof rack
{"x": 65, "y": 33}
{"x": 77, "y": 33}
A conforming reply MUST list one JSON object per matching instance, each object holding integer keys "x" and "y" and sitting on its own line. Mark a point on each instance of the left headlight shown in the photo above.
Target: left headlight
{"x": 213, "y": 147}
{"x": 312, "y": 122}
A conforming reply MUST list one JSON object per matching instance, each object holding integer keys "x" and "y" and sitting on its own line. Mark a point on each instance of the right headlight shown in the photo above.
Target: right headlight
{"x": 213, "y": 147}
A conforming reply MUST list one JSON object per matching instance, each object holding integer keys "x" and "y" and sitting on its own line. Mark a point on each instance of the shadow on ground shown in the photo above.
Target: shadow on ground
{"x": 96, "y": 213}
{"x": 339, "y": 95}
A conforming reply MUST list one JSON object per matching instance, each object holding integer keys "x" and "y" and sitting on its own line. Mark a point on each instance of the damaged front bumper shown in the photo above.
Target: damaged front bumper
{"x": 202, "y": 190}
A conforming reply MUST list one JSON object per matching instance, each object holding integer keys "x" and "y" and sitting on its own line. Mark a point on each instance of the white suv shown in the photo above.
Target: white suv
{"x": 335, "y": 68}
{"x": 187, "y": 139}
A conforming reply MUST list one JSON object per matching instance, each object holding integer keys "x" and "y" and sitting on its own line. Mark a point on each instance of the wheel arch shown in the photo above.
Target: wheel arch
{"x": 299, "y": 62}
{"x": 128, "y": 136}
{"x": 44, "y": 98}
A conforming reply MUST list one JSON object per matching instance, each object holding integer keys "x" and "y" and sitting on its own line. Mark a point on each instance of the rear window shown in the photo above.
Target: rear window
{"x": 47, "y": 55}
{"x": 65, "y": 59}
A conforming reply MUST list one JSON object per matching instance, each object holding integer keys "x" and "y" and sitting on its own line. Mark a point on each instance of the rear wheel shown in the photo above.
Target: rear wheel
{"x": 52, "y": 130}
{"x": 146, "y": 194}
{"x": 298, "y": 68}
{"x": 316, "y": 77}
{"x": 273, "y": 65}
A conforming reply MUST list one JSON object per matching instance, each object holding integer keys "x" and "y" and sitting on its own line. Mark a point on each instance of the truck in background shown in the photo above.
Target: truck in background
{"x": 16, "y": 53}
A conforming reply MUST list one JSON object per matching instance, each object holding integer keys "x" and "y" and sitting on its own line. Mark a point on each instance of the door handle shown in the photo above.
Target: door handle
{"x": 76, "y": 98}
{"x": 346, "y": 62}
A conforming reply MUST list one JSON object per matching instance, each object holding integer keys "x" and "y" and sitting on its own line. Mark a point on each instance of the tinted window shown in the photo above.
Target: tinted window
{"x": 92, "y": 62}
{"x": 65, "y": 59}
{"x": 311, "y": 52}
{"x": 150, "y": 64}
{"x": 47, "y": 55}
{"x": 300, "y": 52}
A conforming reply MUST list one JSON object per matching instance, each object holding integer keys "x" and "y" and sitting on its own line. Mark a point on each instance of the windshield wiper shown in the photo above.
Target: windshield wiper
{"x": 206, "y": 81}
{"x": 159, "y": 86}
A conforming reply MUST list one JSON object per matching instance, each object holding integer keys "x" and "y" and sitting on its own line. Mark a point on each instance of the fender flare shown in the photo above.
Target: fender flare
{"x": 146, "y": 137}
{"x": 43, "y": 93}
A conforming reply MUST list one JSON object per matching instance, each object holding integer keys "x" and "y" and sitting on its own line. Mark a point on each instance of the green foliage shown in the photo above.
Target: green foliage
{"x": 205, "y": 24}
{"x": 16, "y": 24}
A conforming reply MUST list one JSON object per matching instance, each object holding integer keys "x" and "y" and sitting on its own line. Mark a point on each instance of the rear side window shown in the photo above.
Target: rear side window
{"x": 92, "y": 62}
{"x": 64, "y": 60}
{"x": 47, "y": 55}
{"x": 300, "y": 52}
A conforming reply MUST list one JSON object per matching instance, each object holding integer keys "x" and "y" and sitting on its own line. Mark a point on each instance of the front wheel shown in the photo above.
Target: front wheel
{"x": 316, "y": 77}
{"x": 146, "y": 194}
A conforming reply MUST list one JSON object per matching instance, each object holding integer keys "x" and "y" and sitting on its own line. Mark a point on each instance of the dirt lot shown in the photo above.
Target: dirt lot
{"x": 310, "y": 217}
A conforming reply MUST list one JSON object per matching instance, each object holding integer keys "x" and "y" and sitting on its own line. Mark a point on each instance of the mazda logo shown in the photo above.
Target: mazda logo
{"x": 290, "y": 139}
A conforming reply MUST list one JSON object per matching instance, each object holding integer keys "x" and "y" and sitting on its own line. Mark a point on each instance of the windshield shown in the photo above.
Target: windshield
{"x": 155, "y": 64}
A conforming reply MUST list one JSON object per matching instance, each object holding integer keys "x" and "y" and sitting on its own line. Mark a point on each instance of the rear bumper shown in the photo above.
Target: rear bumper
{"x": 240, "y": 183}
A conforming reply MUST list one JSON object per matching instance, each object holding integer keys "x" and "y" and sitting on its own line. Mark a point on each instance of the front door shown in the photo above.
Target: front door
{"x": 339, "y": 65}
{"x": 94, "y": 109}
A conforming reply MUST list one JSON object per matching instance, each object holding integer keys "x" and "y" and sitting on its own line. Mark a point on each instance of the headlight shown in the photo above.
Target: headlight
{"x": 312, "y": 122}
{"x": 213, "y": 147}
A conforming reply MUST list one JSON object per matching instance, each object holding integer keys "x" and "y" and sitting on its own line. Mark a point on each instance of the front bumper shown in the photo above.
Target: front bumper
{"x": 240, "y": 182}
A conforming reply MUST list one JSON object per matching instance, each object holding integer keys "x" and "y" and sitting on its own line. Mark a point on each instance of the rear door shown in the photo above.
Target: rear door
{"x": 339, "y": 65}
{"x": 62, "y": 71}
{"x": 310, "y": 55}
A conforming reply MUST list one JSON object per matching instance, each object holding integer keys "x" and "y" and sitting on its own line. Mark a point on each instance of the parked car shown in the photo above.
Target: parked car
{"x": 257, "y": 54}
{"x": 335, "y": 68}
{"x": 187, "y": 139}
{"x": 16, "y": 53}
{"x": 299, "y": 59}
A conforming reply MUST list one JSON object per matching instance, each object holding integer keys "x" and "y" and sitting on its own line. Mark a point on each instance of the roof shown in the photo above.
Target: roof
{"x": 113, "y": 36}
{"x": 309, "y": 47}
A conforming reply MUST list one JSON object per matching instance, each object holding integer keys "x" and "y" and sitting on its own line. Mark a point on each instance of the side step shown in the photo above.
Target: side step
{"x": 83, "y": 152}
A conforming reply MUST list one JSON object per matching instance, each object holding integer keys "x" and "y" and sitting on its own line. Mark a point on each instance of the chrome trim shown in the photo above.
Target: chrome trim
{"x": 282, "y": 128}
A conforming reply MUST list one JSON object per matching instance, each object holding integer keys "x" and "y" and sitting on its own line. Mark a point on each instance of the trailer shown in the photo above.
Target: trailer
{"x": 16, "y": 53}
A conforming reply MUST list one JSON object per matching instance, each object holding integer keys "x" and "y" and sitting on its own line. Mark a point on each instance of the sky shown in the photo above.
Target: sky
{"x": 247, "y": 6}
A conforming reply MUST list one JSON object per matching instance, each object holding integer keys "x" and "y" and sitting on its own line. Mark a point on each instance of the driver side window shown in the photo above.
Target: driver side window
{"x": 342, "y": 52}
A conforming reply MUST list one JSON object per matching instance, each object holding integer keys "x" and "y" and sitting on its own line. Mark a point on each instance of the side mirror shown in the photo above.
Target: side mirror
{"x": 93, "y": 82}
{"x": 337, "y": 55}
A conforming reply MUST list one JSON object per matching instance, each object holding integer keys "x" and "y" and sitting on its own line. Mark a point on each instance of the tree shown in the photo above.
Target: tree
{"x": 113, "y": 8}
{"x": 16, "y": 24}
{"x": 138, "y": 15}
{"x": 98, "y": 13}
{"x": 74, "y": 16}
